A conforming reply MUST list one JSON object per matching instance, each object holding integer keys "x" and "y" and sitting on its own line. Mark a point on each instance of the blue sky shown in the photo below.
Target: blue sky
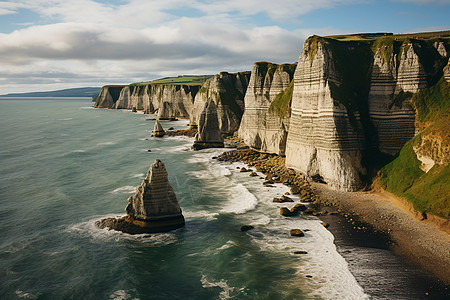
{"x": 55, "y": 44}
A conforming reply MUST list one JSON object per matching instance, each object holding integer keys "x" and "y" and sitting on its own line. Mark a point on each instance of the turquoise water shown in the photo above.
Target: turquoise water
{"x": 64, "y": 165}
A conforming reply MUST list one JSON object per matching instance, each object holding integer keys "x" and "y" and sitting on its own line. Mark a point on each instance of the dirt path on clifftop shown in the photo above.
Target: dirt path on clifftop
{"x": 420, "y": 243}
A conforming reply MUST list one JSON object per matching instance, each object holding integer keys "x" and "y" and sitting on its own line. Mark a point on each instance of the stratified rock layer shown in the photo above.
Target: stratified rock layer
{"x": 166, "y": 100}
{"x": 154, "y": 207}
{"x": 261, "y": 128}
{"x": 208, "y": 135}
{"x": 352, "y": 101}
{"x": 227, "y": 91}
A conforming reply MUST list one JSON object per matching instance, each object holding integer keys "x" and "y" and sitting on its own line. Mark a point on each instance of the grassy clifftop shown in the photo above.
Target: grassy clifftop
{"x": 185, "y": 80}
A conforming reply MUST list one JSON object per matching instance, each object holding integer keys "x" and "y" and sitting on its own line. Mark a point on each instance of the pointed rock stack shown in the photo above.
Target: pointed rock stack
{"x": 154, "y": 207}
{"x": 208, "y": 135}
{"x": 158, "y": 130}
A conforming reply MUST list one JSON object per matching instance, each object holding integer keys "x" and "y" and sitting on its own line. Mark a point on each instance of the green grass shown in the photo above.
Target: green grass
{"x": 428, "y": 192}
{"x": 281, "y": 105}
{"x": 185, "y": 80}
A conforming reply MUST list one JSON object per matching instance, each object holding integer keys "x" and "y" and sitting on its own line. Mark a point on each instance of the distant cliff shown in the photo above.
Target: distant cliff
{"x": 352, "y": 102}
{"x": 172, "y": 99}
{"x": 265, "y": 122}
{"x": 167, "y": 100}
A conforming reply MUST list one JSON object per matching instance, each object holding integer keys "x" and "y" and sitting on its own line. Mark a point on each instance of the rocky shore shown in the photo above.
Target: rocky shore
{"x": 365, "y": 212}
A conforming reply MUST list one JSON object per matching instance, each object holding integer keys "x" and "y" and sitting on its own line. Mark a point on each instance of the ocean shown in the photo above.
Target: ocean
{"x": 65, "y": 165}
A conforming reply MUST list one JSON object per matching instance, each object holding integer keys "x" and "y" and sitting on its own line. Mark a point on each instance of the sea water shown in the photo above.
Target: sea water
{"x": 65, "y": 165}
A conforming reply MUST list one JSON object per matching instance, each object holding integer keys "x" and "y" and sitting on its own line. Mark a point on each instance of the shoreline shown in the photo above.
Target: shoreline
{"x": 420, "y": 243}
{"x": 416, "y": 246}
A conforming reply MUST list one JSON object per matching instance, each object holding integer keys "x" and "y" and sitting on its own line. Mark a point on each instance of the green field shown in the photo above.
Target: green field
{"x": 184, "y": 79}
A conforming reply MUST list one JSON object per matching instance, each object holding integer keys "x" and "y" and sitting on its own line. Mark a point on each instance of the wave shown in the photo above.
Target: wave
{"x": 87, "y": 107}
{"x": 78, "y": 151}
{"x": 139, "y": 175}
{"x": 24, "y": 295}
{"x": 128, "y": 189}
{"x": 65, "y": 119}
{"x": 241, "y": 200}
{"x": 106, "y": 143}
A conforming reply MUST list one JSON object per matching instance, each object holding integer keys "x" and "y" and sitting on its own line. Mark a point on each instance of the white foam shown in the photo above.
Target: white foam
{"x": 106, "y": 143}
{"x": 24, "y": 295}
{"x": 139, "y": 175}
{"x": 120, "y": 295}
{"x": 128, "y": 189}
{"x": 226, "y": 289}
{"x": 90, "y": 230}
{"x": 65, "y": 119}
{"x": 240, "y": 200}
{"x": 87, "y": 107}
{"x": 78, "y": 151}
{"x": 199, "y": 214}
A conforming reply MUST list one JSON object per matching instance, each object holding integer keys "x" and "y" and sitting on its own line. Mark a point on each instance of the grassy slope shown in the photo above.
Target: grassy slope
{"x": 428, "y": 192}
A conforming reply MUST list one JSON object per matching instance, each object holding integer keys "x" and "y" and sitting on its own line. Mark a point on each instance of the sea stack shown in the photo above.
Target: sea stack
{"x": 208, "y": 135}
{"x": 154, "y": 207}
{"x": 158, "y": 130}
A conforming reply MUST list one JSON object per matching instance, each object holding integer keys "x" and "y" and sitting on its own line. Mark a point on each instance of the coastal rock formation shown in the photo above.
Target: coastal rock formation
{"x": 265, "y": 122}
{"x": 108, "y": 96}
{"x": 208, "y": 135}
{"x": 154, "y": 207}
{"x": 227, "y": 91}
{"x": 158, "y": 130}
{"x": 352, "y": 101}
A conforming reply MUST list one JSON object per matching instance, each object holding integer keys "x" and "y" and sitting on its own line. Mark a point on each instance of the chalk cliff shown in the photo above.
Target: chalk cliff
{"x": 108, "y": 96}
{"x": 154, "y": 207}
{"x": 227, "y": 91}
{"x": 208, "y": 135}
{"x": 352, "y": 100}
{"x": 265, "y": 123}
{"x": 167, "y": 100}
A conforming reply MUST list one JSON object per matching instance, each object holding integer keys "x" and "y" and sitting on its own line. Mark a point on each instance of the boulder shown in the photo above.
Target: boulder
{"x": 253, "y": 174}
{"x": 284, "y": 211}
{"x": 300, "y": 252}
{"x": 286, "y": 199}
{"x": 153, "y": 208}
{"x": 325, "y": 224}
{"x": 158, "y": 130}
{"x": 296, "y": 232}
{"x": 298, "y": 207}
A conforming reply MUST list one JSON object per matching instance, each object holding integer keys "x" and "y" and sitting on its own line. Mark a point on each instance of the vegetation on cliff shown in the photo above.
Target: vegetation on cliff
{"x": 427, "y": 191}
{"x": 281, "y": 105}
{"x": 180, "y": 80}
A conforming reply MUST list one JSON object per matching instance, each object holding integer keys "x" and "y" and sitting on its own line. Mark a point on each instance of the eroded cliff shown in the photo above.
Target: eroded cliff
{"x": 265, "y": 122}
{"x": 227, "y": 91}
{"x": 352, "y": 102}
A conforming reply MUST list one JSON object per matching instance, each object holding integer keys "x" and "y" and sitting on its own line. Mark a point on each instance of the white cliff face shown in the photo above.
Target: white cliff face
{"x": 108, "y": 96}
{"x": 227, "y": 92}
{"x": 321, "y": 140}
{"x": 167, "y": 100}
{"x": 260, "y": 129}
{"x": 330, "y": 136}
{"x": 390, "y": 96}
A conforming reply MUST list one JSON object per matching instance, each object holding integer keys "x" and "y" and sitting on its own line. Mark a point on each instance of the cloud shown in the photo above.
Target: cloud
{"x": 8, "y": 8}
{"x": 84, "y": 41}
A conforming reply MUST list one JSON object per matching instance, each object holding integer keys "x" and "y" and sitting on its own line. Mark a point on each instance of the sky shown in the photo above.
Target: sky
{"x": 55, "y": 44}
